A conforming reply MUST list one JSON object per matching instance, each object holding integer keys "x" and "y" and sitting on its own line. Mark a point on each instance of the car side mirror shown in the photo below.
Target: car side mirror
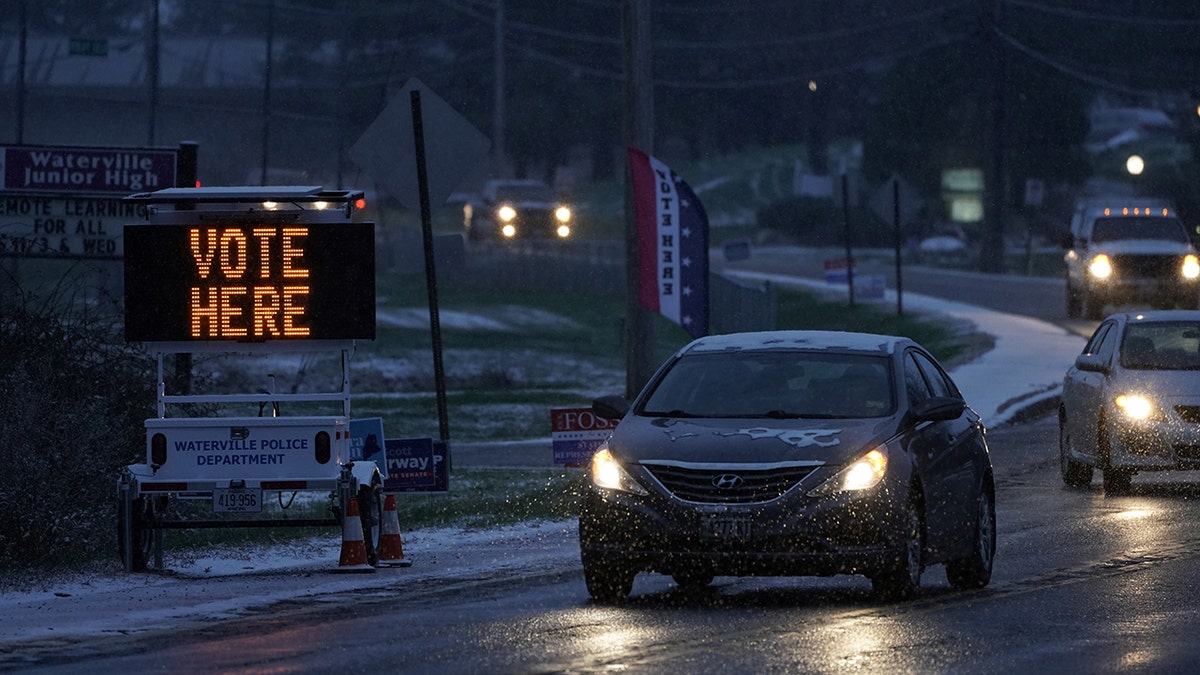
{"x": 1091, "y": 363}
{"x": 610, "y": 407}
{"x": 938, "y": 409}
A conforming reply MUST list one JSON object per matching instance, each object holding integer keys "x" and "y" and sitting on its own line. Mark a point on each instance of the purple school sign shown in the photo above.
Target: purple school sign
{"x": 80, "y": 171}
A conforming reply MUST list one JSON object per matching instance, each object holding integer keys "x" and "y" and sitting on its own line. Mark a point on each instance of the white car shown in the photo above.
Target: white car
{"x": 1131, "y": 401}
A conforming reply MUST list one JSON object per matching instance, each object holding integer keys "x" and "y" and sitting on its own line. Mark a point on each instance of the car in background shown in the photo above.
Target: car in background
{"x": 516, "y": 209}
{"x": 792, "y": 453}
{"x": 1123, "y": 251}
{"x": 1131, "y": 401}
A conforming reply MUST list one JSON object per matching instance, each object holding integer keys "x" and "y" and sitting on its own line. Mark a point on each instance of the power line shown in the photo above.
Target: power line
{"x": 1121, "y": 19}
{"x": 1068, "y": 70}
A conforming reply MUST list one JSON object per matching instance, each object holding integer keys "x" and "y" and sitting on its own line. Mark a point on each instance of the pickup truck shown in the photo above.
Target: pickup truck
{"x": 516, "y": 209}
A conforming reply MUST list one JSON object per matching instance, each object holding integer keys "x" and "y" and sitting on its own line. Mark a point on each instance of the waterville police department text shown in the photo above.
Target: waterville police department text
{"x": 253, "y": 445}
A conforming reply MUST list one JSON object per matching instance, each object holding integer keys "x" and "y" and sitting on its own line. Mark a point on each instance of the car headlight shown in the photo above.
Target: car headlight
{"x": 506, "y": 213}
{"x": 863, "y": 473}
{"x": 563, "y": 214}
{"x": 1101, "y": 267}
{"x": 508, "y": 231}
{"x": 1191, "y": 267}
{"x": 608, "y": 473}
{"x": 1137, "y": 407}
{"x": 563, "y": 231}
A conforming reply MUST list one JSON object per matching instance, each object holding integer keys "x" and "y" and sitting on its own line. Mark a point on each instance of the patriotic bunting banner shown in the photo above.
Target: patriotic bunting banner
{"x": 672, "y": 244}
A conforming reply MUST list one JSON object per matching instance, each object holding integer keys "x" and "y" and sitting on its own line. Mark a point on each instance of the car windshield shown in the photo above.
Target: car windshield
{"x": 1135, "y": 227}
{"x": 524, "y": 193}
{"x": 1173, "y": 345}
{"x": 773, "y": 384}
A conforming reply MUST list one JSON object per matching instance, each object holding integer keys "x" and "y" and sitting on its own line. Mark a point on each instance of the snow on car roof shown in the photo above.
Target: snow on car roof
{"x": 796, "y": 339}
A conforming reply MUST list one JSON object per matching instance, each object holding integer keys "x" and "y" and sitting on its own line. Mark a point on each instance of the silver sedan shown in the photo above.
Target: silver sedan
{"x": 1131, "y": 401}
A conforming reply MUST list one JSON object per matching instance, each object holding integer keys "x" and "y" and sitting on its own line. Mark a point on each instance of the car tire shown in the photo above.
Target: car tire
{"x": 693, "y": 581}
{"x": 1074, "y": 473}
{"x": 901, "y": 578}
{"x": 607, "y": 579}
{"x": 1117, "y": 481}
{"x": 1074, "y": 302}
{"x": 975, "y": 570}
{"x": 1093, "y": 306}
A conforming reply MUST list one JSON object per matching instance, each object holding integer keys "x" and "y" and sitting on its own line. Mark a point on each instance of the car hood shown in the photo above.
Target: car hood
{"x": 741, "y": 441}
{"x": 1164, "y": 385}
{"x": 1143, "y": 247}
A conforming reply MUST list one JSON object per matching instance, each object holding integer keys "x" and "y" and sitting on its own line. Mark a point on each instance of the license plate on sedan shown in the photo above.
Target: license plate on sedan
{"x": 237, "y": 500}
{"x": 727, "y": 527}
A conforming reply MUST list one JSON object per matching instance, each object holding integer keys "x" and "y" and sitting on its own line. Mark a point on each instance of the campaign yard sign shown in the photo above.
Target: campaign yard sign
{"x": 576, "y": 433}
{"x": 366, "y": 442}
{"x": 417, "y": 465}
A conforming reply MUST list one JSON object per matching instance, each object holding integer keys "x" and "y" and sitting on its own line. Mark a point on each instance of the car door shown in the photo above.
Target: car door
{"x": 1084, "y": 391}
{"x": 944, "y": 455}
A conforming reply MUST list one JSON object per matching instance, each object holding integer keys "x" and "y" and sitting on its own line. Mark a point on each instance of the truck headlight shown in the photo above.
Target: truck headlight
{"x": 608, "y": 473}
{"x": 563, "y": 231}
{"x": 1101, "y": 267}
{"x": 563, "y": 214}
{"x": 1191, "y": 267}
{"x": 506, "y": 213}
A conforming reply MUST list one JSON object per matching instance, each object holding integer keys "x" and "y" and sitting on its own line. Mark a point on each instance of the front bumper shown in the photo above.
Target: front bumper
{"x": 1155, "y": 445}
{"x": 795, "y": 535}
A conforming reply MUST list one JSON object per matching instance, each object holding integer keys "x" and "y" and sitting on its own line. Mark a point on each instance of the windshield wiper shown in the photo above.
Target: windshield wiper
{"x": 673, "y": 413}
{"x": 785, "y": 415}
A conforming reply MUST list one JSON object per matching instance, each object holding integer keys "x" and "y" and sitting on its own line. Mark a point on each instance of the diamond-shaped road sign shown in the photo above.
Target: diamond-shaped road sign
{"x": 387, "y": 150}
{"x": 882, "y": 201}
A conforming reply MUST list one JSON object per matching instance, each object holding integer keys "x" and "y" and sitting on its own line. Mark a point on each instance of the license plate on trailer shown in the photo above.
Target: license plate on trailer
{"x": 237, "y": 500}
{"x": 727, "y": 527}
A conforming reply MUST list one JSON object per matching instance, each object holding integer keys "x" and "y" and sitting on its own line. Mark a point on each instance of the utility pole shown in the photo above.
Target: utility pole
{"x": 266, "y": 106}
{"x": 638, "y": 133}
{"x": 995, "y": 173}
{"x": 499, "y": 165}
{"x": 152, "y": 70}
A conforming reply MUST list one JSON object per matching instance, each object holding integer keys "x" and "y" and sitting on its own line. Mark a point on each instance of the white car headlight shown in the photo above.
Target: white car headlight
{"x": 863, "y": 473}
{"x": 1137, "y": 407}
{"x": 1101, "y": 267}
{"x": 608, "y": 473}
{"x": 506, "y": 213}
{"x": 563, "y": 214}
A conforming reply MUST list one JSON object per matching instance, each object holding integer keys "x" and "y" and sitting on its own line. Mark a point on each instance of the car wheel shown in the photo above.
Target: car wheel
{"x": 901, "y": 578}
{"x": 1117, "y": 481}
{"x": 1093, "y": 306}
{"x": 1074, "y": 303}
{"x": 1074, "y": 473}
{"x": 607, "y": 580}
{"x": 692, "y": 581}
{"x": 975, "y": 571}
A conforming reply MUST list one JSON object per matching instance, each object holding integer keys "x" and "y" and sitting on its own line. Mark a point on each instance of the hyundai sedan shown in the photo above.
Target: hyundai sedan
{"x": 1131, "y": 401}
{"x": 793, "y": 453}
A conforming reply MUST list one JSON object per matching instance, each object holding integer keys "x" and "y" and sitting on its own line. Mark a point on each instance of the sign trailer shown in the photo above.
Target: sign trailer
{"x": 256, "y": 272}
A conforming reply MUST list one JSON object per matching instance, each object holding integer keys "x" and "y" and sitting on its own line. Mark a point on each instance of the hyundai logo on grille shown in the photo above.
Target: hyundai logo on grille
{"x": 727, "y": 481}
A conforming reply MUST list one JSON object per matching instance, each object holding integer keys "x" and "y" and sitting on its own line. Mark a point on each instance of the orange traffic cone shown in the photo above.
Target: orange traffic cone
{"x": 391, "y": 546}
{"x": 354, "y": 550}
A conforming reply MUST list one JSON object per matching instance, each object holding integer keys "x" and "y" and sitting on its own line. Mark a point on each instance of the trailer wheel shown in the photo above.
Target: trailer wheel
{"x": 135, "y": 546}
{"x": 370, "y": 512}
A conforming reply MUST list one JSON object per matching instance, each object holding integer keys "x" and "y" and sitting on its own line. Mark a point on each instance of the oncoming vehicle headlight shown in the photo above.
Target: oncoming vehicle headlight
{"x": 1101, "y": 267}
{"x": 608, "y": 473}
{"x": 563, "y": 214}
{"x": 508, "y": 231}
{"x": 506, "y": 213}
{"x": 563, "y": 231}
{"x": 1191, "y": 267}
{"x": 1137, "y": 407}
{"x": 863, "y": 473}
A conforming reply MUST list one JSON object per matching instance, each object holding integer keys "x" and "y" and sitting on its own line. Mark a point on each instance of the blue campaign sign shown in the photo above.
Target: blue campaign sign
{"x": 366, "y": 442}
{"x": 417, "y": 465}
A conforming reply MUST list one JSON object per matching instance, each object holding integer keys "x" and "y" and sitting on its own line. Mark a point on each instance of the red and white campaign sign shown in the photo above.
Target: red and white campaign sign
{"x": 575, "y": 433}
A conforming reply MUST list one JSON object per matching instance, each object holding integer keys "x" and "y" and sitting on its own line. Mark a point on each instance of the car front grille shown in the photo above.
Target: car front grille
{"x": 709, "y": 485}
{"x": 1146, "y": 266}
{"x": 1189, "y": 413}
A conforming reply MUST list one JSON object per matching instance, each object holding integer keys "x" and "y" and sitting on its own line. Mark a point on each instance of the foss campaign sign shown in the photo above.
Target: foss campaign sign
{"x": 576, "y": 433}
{"x": 249, "y": 282}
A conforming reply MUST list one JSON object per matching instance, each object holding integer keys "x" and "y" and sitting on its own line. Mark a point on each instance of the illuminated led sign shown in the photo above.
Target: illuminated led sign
{"x": 249, "y": 281}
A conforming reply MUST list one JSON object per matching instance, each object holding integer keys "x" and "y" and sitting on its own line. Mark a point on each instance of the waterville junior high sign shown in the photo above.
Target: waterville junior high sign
{"x": 112, "y": 171}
